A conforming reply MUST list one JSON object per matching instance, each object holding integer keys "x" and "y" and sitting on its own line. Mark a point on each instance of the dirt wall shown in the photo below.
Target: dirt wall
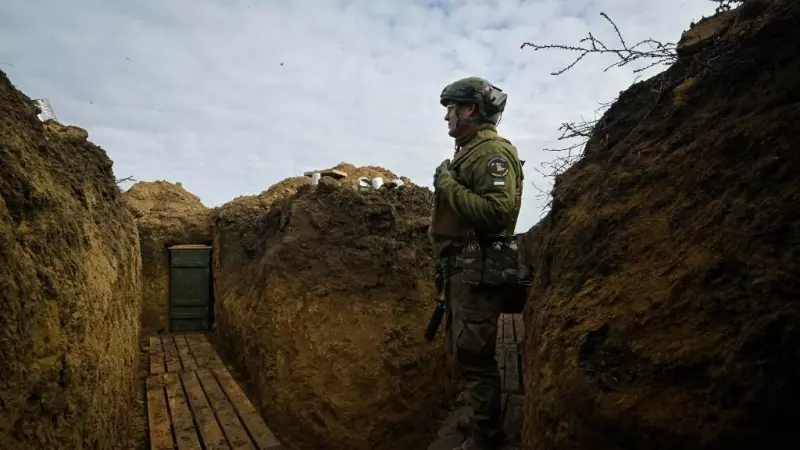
{"x": 166, "y": 214}
{"x": 322, "y": 300}
{"x": 69, "y": 287}
{"x": 664, "y": 312}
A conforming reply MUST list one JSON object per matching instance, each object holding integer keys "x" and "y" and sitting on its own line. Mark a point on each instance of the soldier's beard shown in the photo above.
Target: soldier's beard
{"x": 459, "y": 127}
{"x": 453, "y": 131}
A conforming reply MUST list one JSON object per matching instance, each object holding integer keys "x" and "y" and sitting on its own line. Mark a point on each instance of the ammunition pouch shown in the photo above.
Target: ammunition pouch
{"x": 495, "y": 264}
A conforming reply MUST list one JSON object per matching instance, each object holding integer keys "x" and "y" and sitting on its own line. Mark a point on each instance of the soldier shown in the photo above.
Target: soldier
{"x": 477, "y": 201}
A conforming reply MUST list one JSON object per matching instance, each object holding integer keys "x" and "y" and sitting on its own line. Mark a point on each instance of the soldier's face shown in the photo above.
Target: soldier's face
{"x": 458, "y": 119}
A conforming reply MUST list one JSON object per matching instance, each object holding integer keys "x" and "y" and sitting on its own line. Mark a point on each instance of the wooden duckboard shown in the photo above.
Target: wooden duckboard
{"x": 193, "y": 402}
{"x": 509, "y": 353}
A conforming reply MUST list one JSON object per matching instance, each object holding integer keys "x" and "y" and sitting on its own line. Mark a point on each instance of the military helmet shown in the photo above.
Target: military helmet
{"x": 490, "y": 100}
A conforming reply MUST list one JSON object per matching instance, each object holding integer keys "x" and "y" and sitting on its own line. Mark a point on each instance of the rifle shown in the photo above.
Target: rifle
{"x": 438, "y": 313}
{"x": 436, "y": 320}
{"x": 441, "y": 308}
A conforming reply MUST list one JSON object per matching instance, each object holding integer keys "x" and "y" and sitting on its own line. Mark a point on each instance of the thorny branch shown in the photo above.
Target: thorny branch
{"x": 583, "y": 130}
{"x": 654, "y": 52}
{"x": 649, "y": 49}
{"x": 125, "y": 180}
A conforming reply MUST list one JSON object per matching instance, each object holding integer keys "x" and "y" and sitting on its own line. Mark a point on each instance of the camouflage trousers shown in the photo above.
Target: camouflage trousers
{"x": 473, "y": 312}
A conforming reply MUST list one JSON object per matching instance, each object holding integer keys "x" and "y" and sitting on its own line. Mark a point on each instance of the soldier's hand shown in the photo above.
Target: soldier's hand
{"x": 442, "y": 172}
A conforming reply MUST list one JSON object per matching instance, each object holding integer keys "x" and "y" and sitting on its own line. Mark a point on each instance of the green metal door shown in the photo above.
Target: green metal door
{"x": 190, "y": 305}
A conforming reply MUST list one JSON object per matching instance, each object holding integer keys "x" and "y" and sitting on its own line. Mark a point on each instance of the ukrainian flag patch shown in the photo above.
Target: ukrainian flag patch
{"x": 497, "y": 181}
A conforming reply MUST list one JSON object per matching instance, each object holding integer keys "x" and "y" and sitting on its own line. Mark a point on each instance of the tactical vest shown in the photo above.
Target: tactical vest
{"x": 446, "y": 225}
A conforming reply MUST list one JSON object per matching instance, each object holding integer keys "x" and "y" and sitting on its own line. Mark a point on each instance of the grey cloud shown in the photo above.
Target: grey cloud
{"x": 231, "y": 97}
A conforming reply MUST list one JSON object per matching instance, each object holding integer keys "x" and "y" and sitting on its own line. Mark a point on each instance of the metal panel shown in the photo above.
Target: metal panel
{"x": 190, "y": 288}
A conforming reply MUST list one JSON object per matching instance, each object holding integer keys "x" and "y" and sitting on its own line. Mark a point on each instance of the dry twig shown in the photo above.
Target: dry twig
{"x": 125, "y": 180}
{"x": 653, "y": 51}
{"x": 646, "y": 49}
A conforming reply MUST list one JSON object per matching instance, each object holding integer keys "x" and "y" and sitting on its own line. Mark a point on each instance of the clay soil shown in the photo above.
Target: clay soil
{"x": 322, "y": 300}
{"x": 664, "y": 313}
{"x": 166, "y": 214}
{"x": 69, "y": 287}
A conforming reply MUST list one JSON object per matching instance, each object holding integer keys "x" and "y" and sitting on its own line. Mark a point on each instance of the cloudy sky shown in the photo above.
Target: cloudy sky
{"x": 229, "y": 97}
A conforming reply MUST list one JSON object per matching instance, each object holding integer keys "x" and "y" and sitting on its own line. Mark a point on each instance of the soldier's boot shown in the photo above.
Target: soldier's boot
{"x": 464, "y": 425}
{"x": 469, "y": 444}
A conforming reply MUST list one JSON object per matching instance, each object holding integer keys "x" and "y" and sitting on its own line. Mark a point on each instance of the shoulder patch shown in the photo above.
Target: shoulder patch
{"x": 497, "y": 167}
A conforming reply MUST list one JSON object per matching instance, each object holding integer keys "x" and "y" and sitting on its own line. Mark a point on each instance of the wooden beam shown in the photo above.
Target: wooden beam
{"x": 251, "y": 419}
{"x": 182, "y": 422}
{"x": 333, "y": 173}
{"x": 226, "y": 414}
{"x": 158, "y": 416}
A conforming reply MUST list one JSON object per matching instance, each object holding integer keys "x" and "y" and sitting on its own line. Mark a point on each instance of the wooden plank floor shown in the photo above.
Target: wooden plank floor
{"x": 510, "y": 334}
{"x": 193, "y": 402}
{"x": 509, "y": 352}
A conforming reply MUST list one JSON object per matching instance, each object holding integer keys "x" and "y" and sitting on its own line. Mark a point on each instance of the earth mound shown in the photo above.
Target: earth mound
{"x": 166, "y": 215}
{"x": 322, "y": 301}
{"x": 69, "y": 287}
{"x": 289, "y": 186}
{"x": 664, "y": 312}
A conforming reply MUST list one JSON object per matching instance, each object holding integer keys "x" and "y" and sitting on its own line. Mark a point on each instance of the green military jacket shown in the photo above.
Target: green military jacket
{"x": 483, "y": 197}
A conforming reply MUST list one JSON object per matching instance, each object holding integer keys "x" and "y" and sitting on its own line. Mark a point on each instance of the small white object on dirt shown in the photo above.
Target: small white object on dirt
{"x": 364, "y": 183}
{"x": 394, "y": 184}
{"x": 47, "y": 110}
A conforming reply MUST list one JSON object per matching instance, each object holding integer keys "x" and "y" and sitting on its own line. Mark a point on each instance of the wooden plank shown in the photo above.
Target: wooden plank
{"x": 333, "y": 173}
{"x": 156, "y": 356}
{"x": 228, "y": 420}
{"x": 501, "y": 366}
{"x": 519, "y": 337}
{"x": 519, "y": 328}
{"x": 500, "y": 357}
{"x": 511, "y": 368}
{"x": 187, "y": 359}
{"x": 499, "y": 343}
{"x": 182, "y": 423}
{"x": 171, "y": 353}
{"x": 258, "y": 430}
{"x": 508, "y": 329}
{"x": 158, "y": 416}
{"x": 190, "y": 247}
{"x": 212, "y": 435}
{"x": 204, "y": 353}
{"x": 200, "y": 354}
{"x": 513, "y": 417}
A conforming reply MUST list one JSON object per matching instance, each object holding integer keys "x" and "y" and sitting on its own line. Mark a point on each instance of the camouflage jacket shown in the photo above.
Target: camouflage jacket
{"x": 483, "y": 197}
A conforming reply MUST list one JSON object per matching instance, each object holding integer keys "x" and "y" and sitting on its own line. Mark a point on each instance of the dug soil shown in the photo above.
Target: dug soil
{"x": 69, "y": 287}
{"x": 322, "y": 300}
{"x": 664, "y": 313}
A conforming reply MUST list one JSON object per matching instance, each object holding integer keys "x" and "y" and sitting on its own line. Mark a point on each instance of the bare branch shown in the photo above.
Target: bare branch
{"x": 583, "y": 129}
{"x": 650, "y": 51}
{"x": 647, "y": 49}
{"x": 125, "y": 180}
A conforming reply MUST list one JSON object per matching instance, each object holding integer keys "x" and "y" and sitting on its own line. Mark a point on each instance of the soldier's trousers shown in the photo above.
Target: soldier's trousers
{"x": 473, "y": 334}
